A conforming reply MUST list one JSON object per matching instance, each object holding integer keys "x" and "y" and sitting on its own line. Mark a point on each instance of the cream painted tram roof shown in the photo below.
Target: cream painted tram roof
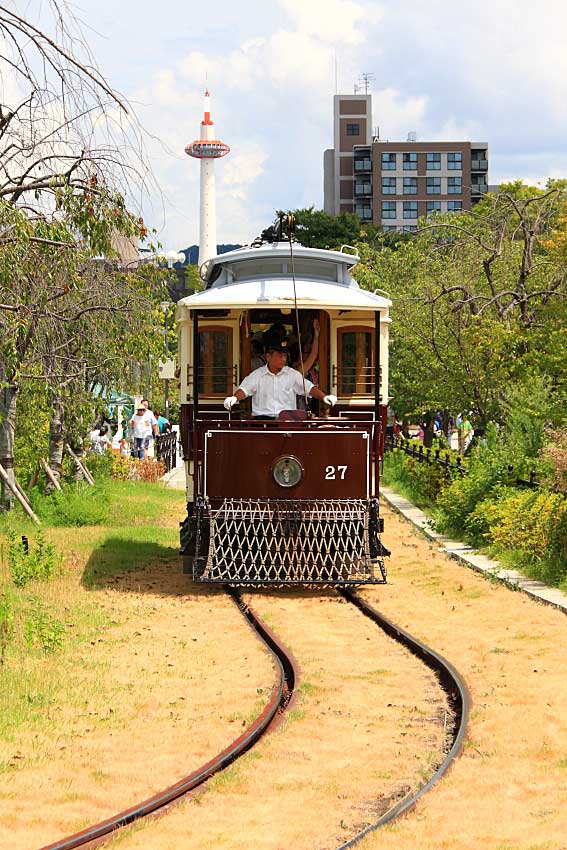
{"x": 256, "y": 290}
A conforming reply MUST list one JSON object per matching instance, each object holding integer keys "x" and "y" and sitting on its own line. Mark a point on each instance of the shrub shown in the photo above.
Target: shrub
{"x": 133, "y": 469}
{"x": 100, "y": 466}
{"x": 555, "y": 454}
{"x": 79, "y": 504}
{"x": 40, "y": 629}
{"x": 27, "y": 564}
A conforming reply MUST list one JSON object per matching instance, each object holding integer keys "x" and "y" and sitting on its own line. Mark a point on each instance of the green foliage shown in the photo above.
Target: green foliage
{"x": 318, "y": 229}
{"x": 78, "y": 504}
{"x": 100, "y": 466}
{"x": 419, "y": 481}
{"x": 31, "y": 564}
{"x": 6, "y": 623}
{"x": 41, "y": 630}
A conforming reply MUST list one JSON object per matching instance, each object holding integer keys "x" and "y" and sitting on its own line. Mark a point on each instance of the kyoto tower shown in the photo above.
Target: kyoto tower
{"x": 207, "y": 149}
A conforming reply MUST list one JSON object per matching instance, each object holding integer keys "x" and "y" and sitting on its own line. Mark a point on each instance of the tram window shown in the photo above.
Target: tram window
{"x": 315, "y": 268}
{"x": 356, "y": 361}
{"x": 215, "y": 366}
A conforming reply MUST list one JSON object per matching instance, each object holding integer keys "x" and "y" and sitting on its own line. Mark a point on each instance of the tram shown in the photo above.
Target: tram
{"x": 292, "y": 500}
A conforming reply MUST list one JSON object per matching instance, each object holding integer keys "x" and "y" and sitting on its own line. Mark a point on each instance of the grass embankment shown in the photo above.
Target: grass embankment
{"x": 525, "y": 529}
{"x": 119, "y": 675}
{"x": 52, "y": 623}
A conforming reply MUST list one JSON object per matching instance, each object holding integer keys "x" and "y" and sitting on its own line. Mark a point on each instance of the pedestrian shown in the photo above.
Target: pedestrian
{"x": 164, "y": 424}
{"x": 99, "y": 441}
{"x": 154, "y": 425}
{"x": 466, "y": 433}
{"x": 141, "y": 425}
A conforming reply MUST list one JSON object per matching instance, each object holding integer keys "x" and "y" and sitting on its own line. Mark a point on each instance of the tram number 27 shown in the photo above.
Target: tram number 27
{"x": 331, "y": 473}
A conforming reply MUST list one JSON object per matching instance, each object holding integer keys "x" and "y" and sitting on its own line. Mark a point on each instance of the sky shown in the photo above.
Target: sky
{"x": 493, "y": 71}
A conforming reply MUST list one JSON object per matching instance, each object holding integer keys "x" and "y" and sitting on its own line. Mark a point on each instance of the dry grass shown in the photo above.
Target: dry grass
{"x": 154, "y": 679}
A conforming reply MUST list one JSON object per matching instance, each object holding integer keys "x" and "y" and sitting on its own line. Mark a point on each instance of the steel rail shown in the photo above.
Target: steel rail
{"x": 452, "y": 683}
{"x": 280, "y": 697}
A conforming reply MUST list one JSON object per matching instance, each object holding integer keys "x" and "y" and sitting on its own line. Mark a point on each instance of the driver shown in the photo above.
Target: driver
{"x": 274, "y": 387}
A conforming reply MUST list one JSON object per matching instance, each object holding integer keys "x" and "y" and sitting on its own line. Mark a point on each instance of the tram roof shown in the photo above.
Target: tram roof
{"x": 256, "y": 294}
{"x": 243, "y": 278}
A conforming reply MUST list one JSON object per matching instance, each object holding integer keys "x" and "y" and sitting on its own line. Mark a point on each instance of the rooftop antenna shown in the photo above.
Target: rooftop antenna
{"x": 365, "y": 81}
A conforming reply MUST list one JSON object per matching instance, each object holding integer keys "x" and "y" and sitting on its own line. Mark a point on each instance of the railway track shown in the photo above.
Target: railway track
{"x": 280, "y": 697}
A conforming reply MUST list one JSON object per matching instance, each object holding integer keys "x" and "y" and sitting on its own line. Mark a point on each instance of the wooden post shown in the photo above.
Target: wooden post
{"x": 21, "y": 491}
{"x": 49, "y": 473}
{"x": 33, "y": 479}
{"x": 88, "y": 477}
{"x": 17, "y": 494}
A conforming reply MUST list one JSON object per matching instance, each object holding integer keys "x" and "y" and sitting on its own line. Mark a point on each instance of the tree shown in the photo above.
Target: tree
{"x": 318, "y": 229}
{"x": 68, "y": 146}
{"x": 479, "y": 302}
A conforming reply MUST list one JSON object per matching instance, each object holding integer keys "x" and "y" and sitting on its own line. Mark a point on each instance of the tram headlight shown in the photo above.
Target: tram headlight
{"x": 287, "y": 471}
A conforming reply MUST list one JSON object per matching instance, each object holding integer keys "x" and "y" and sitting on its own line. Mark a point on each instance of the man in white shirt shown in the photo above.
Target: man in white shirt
{"x": 274, "y": 387}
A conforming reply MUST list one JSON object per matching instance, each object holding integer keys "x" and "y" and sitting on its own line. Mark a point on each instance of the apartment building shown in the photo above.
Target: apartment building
{"x": 392, "y": 184}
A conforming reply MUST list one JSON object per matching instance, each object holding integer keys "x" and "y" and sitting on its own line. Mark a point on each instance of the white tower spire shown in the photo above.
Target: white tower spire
{"x": 207, "y": 149}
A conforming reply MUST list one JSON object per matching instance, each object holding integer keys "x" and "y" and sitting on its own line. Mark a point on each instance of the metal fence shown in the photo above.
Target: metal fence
{"x": 450, "y": 460}
{"x": 166, "y": 449}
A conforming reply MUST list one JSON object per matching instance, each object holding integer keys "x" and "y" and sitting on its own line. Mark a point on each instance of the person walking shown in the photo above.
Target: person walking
{"x": 141, "y": 425}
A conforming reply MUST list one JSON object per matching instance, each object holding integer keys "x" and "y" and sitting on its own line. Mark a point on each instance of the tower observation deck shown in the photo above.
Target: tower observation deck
{"x": 207, "y": 149}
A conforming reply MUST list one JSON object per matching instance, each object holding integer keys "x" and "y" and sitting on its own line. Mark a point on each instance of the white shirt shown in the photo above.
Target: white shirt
{"x": 142, "y": 424}
{"x": 271, "y": 393}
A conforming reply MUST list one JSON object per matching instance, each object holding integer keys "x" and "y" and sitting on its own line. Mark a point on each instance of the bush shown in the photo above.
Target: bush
{"x": 100, "y": 466}
{"x": 79, "y": 504}
{"x": 133, "y": 469}
{"x": 41, "y": 630}
{"x": 420, "y": 481}
{"x": 27, "y": 564}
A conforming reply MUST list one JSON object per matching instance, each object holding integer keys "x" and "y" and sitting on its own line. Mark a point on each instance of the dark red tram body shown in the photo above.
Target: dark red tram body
{"x": 291, "y": 501}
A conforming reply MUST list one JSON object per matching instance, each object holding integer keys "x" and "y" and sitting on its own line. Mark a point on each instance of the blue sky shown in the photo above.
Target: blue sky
{"x": 487, "y": 71}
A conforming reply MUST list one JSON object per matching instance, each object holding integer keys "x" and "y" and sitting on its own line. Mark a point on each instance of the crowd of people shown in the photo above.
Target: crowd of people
{"x": 458, "y": 430}
{"x": 137, "y": 433}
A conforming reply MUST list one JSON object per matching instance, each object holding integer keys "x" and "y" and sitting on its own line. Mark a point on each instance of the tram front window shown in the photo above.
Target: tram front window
{"x": 356, "y": 361}
{"x": 215, "y": 373}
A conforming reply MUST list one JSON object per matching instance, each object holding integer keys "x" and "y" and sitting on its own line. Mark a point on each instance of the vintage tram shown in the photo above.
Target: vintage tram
{"x": 293, "y": 501}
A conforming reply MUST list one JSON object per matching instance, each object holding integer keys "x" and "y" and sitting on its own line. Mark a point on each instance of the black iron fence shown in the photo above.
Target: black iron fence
{"x": 446, "y": 458}
{"x": 166, "y": 449}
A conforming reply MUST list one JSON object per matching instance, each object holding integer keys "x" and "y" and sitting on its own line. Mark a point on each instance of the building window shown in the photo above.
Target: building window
{"x": 433, "y": 207}
{"x": 388, "y": 185}
{"x": 215, "y": 355}
{"x": 363, "y": 211}
{"x": 356, "y": 361}
{"x": 455, "y": 161}
{"x": 388, "y": 161}
{"x": 410, "y": 185}
{"x": 353, "y": 129}
{"x": 409, "y": 228}
{"x": 363, "y": 164}
{"x": 363, "y": 187}
{"x": 388, "y": 209}
{"x": 410, "y": 162}
{"x": 454, "y": 185}
{"x": 410, "y": 209}
{"x": 433, "y": 161}
{"x": 388, "y": 228}
{"x": 454, "y": 206}
{"x": 433, "y": 185}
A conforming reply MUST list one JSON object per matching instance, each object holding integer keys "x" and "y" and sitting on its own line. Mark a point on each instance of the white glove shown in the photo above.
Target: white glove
{"x": 230, "y": 401}
{"x": 331, "y": 400}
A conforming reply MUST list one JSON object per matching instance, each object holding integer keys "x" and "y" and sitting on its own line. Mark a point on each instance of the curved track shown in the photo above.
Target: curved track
{"x": 282, "y": 693}
{"x": 453, "y": 685}
{"x": 279, "y": 699}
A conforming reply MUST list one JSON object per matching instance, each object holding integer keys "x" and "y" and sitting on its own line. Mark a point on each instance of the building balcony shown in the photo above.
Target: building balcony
{"x": 362, "y": 190}
{"x": 479, "y": 165}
